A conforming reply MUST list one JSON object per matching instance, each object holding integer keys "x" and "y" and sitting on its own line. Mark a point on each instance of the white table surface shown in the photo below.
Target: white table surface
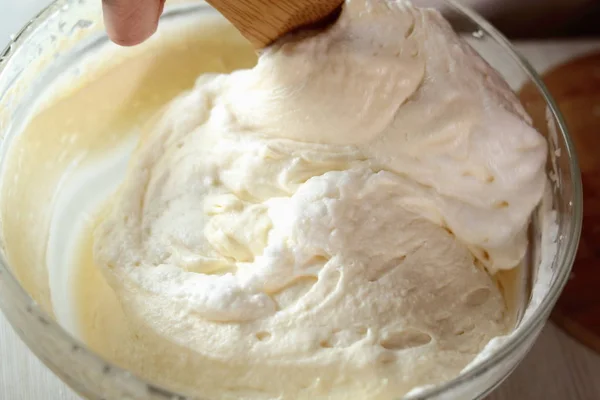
{"x": 557, "y": 368}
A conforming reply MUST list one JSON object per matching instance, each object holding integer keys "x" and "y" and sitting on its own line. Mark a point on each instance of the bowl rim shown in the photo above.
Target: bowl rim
{"x": 528, "y": 326}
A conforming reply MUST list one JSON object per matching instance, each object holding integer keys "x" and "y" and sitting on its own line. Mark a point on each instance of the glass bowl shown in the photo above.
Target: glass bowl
{"x": 69, "y": 28}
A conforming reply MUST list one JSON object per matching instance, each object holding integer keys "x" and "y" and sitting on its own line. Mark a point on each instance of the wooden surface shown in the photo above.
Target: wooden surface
{"x": 263, "y": 21}
{"x": 575, "y": 86}
{"x": 558, "y": 368}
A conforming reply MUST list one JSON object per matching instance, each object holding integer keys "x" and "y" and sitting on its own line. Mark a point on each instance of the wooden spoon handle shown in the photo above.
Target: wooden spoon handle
{"x": 264, "y": 21}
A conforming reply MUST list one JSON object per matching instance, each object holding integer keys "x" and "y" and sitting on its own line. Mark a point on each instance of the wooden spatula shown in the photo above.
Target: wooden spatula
{"x": 264, "y": 21}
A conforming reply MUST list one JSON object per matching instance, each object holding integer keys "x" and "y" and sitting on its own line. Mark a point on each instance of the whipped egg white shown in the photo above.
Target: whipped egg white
{"x": 328, "y": 223}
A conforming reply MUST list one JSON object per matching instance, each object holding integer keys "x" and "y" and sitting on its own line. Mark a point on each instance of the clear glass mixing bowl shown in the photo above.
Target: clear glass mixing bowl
{"x": 69, "y": 28}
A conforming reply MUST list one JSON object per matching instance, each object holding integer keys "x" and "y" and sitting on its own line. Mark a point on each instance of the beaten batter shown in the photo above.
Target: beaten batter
{"x": 328, "y": 224}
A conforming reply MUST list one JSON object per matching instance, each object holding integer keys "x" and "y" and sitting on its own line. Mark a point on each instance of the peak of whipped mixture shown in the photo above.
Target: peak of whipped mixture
{"x": 330, "y": 221}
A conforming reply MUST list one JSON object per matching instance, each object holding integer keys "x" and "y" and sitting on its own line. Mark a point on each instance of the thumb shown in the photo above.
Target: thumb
{"x": 130, "y": 22}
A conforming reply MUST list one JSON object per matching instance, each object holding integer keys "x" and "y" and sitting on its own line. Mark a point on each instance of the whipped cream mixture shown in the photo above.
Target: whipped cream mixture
{"x": 331, "y": 220}
{"x": 343, "y": 220}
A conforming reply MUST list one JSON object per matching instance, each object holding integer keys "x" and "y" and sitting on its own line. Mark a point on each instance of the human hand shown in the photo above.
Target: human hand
{"x": 130, "y": 22}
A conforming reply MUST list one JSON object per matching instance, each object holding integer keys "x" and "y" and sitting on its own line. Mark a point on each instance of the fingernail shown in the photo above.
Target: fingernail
{"x": 130, "y": 22}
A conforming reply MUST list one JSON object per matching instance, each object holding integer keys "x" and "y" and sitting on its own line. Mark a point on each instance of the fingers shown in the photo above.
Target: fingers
{"x": 130, "y": 22}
